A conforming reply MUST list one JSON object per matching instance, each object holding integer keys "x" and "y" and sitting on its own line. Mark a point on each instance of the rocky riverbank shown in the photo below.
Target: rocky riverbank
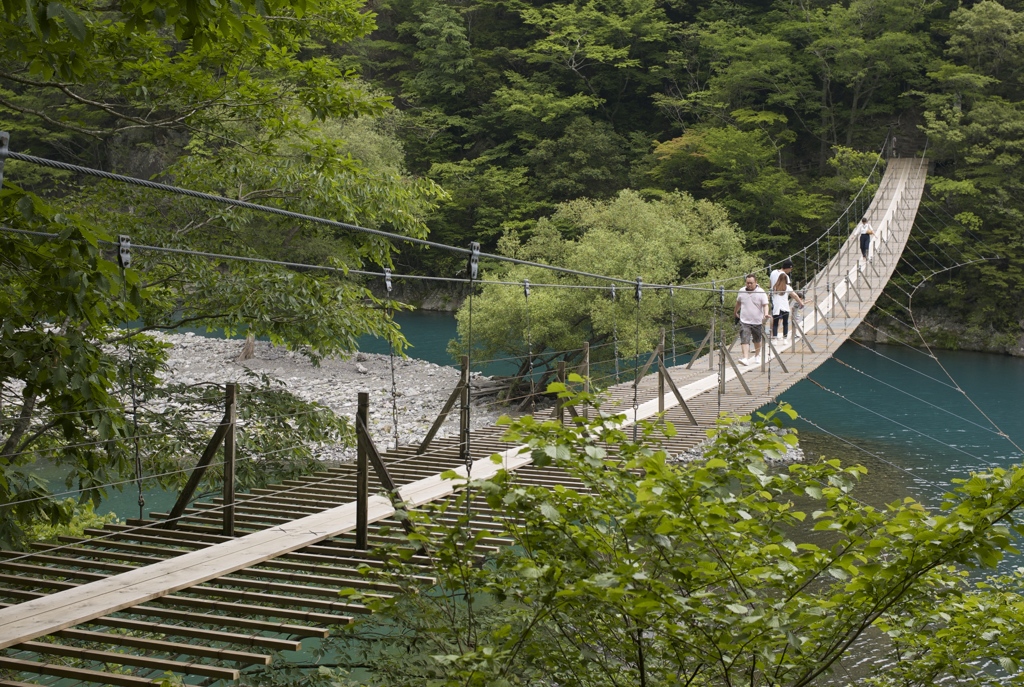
{"x": 422, "y": 387}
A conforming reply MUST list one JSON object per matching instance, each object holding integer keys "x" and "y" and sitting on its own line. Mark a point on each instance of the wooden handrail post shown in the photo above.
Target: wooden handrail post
{"x": 711, "y": 345}
{"x": 585, "y": 371}
{"x": 561, "y": 401}
{"x": 661, "y": 373}
{"x": 231, "y": 415}
{"x": 464, "y": 414}
{"x": 362, "y": 471}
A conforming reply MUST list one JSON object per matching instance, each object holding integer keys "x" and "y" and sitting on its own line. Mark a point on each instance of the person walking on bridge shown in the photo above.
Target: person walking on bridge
{"x": 782, "y": 291}
{"x": 752, "y": 309}
{"x": 866, "y": 232}
{"x": 786, "y": 268}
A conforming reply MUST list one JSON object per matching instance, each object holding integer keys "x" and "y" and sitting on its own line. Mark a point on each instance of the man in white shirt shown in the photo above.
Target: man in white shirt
{"x": 752, "y": 309}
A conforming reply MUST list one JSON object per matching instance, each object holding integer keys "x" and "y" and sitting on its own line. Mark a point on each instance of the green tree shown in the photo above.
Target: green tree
{"x": 242, "y": 100}
{"x": 664, "y": 241}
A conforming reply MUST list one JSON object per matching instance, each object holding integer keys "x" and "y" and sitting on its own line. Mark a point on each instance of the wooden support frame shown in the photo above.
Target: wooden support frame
{"x": 839, "y": 301}
{"x": 562, "y": 403}
{"x": 661, "y": 373}
{"x": 700, "y": 349}
{"x": 798, "y": 330}
{"x": 230, "y": 412}
{"x": 227, "y": 424}
{"x": 822, "y": 318}
{"x": 584, "y": 371}
{"x": 368, "y": 448}
{"x": 647, "y": 365}
{"x": 362, "y": 476}
{"x": 446, "y": 409}
{"x": 464, "y": 416}
{"x": 778, "y": 358}
{"x": 679, "y": 397}
{"x": 735, "y": 369}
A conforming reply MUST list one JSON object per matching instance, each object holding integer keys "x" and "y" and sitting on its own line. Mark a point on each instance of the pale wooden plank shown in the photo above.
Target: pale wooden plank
{"x": 73, "y": 606}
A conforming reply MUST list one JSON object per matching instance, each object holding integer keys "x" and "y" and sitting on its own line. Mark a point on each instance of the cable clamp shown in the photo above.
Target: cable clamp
{"x": 639, "y": 288}
{"x": 474, "y": 259}
{"x": 5, "y": 138}
{"x": 526, "y": 288}
{"x": 387, "y": 279}
{"x": 124, "y": 251}
{"x": 613, "y": 293}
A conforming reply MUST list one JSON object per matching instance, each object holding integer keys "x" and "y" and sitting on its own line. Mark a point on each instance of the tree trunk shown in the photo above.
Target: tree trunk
{"x": 248, "y": 349}
{"x": 20, "y": 426}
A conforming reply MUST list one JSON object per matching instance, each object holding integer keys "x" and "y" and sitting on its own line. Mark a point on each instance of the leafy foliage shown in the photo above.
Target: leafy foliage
{"x": 717, "y": 572}
{"x": 669, "y": 239}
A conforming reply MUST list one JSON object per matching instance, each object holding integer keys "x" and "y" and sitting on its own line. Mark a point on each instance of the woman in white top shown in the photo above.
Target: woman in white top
{"x": 866, "y": 232}
{"x": 782, "y": 291}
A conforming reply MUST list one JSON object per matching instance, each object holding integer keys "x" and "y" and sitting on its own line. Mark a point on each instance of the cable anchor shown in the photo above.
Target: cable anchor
{"x": 526, "y": 288}
{"x": 474, "y": 260}
{"x": 124, "y": 251}
{"x": 387, "y": 280}
{"x": 639, "y": 289}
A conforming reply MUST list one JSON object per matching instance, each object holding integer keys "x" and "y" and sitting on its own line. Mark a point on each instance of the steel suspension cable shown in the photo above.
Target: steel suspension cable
{"x": 167, "y": 188}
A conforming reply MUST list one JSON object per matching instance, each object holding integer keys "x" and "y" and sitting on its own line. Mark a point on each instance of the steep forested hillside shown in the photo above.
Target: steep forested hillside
{"x": 771, "y": 108}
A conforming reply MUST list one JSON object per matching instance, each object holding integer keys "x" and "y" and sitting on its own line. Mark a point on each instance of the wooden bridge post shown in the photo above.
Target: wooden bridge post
{"x": 585, "y": 373}
{"x": 661, "y": 373}
{"x": 464, "y": 414}
{"x": 561, "y": 401}
{"x": 231, "y": 415}
{"x": 711, "y": 343}
{"x": 362, "y": 470}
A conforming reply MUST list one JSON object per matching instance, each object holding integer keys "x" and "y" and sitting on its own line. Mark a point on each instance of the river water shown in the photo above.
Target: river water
{"x": 894, "y": 410}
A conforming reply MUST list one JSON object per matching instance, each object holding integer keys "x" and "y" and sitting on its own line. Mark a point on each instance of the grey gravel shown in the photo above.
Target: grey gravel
{"x": 422, "y": 387}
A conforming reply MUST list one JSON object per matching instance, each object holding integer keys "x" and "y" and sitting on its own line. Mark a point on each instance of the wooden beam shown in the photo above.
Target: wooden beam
{"x": 165, "y": 647}
{"x": 700, "y": 349}
{"x": 679, "y": 396}
{"x": 197, "y": 474}
{"x": 16, "y": 665}
{"x": 126, "y": 659}
{"x": 735, "y": 369}
{"x": 230, "y": 413}
{"x": 441, "y": 417}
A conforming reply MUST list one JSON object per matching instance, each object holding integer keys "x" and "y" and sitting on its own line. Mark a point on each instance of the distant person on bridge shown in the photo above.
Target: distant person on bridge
{"x": 752, "y": 309}
{"x": 866, "y": 232}
{"x": 782, "y": 291}
{"x": 786, "y": 268}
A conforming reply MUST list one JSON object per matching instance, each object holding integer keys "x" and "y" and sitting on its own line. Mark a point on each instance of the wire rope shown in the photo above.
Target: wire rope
{"x": 529, "y": 345}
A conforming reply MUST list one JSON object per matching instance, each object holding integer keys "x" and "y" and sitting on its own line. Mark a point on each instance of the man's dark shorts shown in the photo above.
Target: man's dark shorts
{"x": 750, "y": 332}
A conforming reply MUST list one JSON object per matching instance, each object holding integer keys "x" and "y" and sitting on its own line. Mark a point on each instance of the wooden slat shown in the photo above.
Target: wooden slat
{"x": 126, "y": 659}
{"x": 165, "y": 647}
{"x": 21, "y": 666}
{"x": 71, "y": 607}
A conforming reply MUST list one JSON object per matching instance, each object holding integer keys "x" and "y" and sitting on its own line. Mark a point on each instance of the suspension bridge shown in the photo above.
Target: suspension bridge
{"x": 207, "y": 590}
